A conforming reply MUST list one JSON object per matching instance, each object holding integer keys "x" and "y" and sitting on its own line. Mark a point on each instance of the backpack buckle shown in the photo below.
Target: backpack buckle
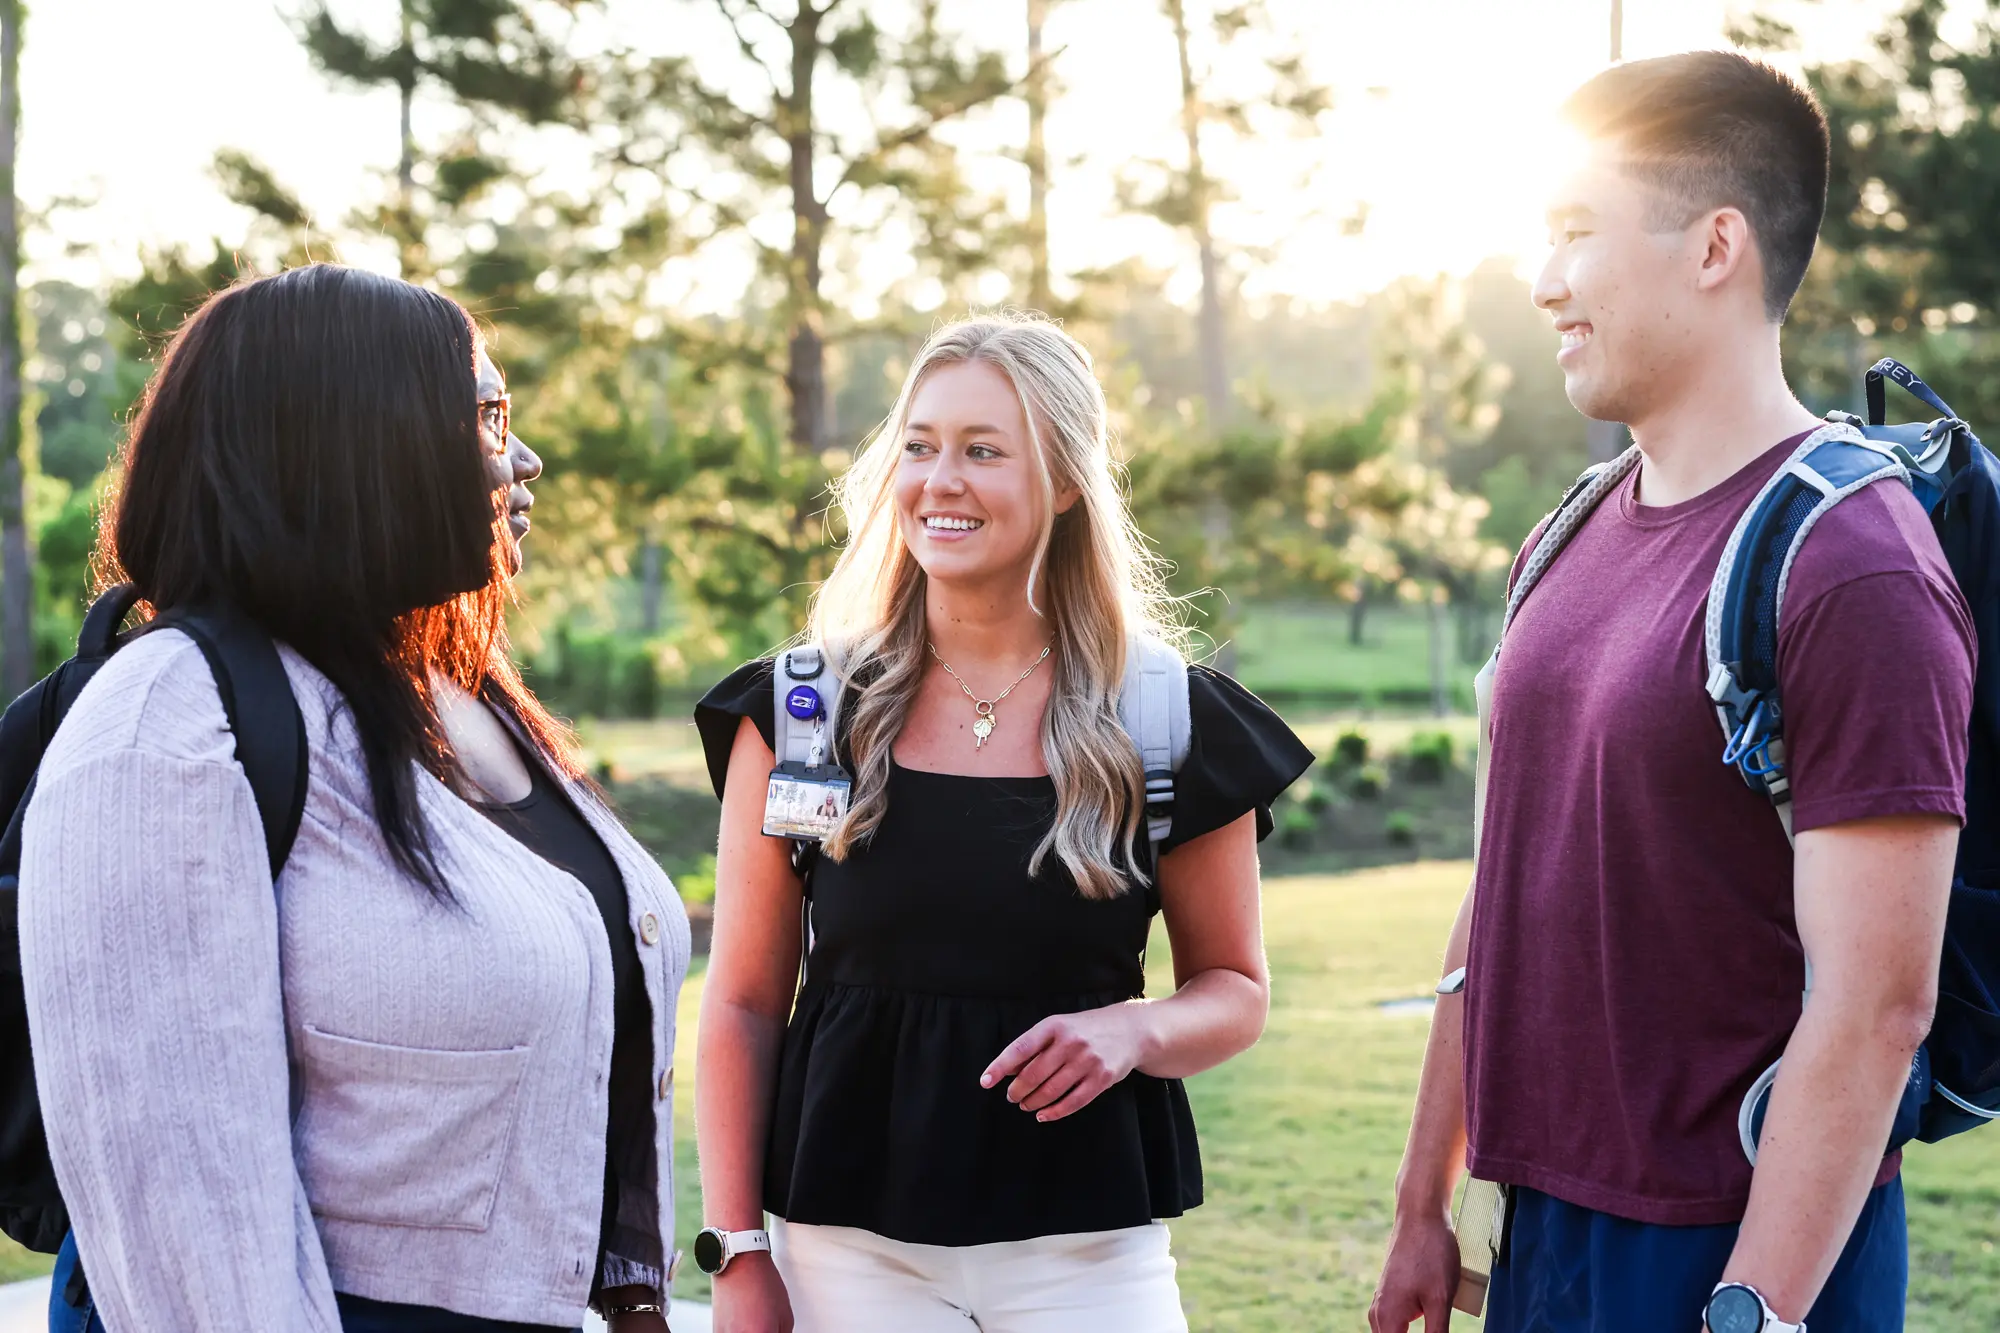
{"x": 1755, "y": 726}
{"x": 1756, "y": 749}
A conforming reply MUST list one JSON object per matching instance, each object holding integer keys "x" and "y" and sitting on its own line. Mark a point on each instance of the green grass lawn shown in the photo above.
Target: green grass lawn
{"x": 1303, "y": 652}
{"x": 17, "y": 1263}
{"x": 1301, "y": 1135}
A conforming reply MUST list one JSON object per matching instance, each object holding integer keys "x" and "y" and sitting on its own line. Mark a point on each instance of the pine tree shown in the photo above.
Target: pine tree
{"x": 1184, "y": 195}
{"x": 496, "y": 59}
{"x": 17, "y": 571}
{"x": 779, "y": 152}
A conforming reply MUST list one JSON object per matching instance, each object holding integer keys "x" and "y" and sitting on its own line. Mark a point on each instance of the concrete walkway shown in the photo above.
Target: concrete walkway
{"x": 24, "y": 1308}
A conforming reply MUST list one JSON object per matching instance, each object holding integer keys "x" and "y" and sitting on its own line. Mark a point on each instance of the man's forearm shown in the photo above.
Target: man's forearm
{"x": 1435, "y": 1152}
{"x": 1822, "y": 1144}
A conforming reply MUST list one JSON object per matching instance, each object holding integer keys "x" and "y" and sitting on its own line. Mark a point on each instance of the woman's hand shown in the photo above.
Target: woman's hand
{"x": 1061, "y": 1064}
{"x": 751, "y": 1297}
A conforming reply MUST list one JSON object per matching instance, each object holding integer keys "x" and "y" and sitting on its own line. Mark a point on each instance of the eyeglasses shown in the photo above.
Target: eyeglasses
{"x": 496, "y": 417}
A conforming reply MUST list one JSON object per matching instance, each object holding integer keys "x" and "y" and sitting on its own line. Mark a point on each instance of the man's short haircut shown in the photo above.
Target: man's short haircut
{"x": 1714, "y": 129}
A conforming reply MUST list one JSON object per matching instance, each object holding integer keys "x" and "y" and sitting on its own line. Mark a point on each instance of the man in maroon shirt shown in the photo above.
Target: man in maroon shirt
{"x": 1637, "y": 928}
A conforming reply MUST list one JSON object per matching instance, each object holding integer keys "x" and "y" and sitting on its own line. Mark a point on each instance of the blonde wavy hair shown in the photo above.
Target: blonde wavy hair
{"x": 1093, "y": 577}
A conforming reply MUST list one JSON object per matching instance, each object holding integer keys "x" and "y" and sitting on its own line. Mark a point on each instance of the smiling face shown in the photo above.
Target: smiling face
{"x": 968, "y": 484}
{"x": 1624, "y": 287}
{"x": 510, "y": 465}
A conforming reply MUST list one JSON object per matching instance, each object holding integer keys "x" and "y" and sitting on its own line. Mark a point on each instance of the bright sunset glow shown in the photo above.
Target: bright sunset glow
{"x": 1440, "y": 127}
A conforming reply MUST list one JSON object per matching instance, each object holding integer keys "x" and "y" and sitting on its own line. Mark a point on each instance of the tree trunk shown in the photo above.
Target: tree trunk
{"x": 1357, "y": 616}
{"x": 1039, "y": 297}
{"x": 1214, "y": 363}
{"x": 805, "y": 372}
{"x": 17, "y": 578}
{"x": 650, "y": 584}
{"x": 406, "y": 161}
{"x": 410, "y": 251}
{"x": 1440, "y": 673}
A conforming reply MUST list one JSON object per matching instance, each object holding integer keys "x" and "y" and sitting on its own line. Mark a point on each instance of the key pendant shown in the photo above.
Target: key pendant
{"x": 982, "y": 726}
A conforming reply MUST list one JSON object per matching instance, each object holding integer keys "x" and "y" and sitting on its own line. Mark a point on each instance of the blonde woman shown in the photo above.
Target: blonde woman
{"x": 968, "y": 1115}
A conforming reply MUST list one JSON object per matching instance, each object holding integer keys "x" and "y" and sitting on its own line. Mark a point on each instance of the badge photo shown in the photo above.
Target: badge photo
{"x": 805, "y": 803}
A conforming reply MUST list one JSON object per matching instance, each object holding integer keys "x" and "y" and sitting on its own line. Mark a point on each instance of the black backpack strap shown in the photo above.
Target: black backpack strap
{"x": 264, "y": 715}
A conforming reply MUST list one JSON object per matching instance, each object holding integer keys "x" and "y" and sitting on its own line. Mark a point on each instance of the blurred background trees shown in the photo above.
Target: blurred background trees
{"x": 1324, "y": 479}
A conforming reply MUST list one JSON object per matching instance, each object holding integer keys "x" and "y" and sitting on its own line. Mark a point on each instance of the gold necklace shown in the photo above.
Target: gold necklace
{"x": 984, "y": 721}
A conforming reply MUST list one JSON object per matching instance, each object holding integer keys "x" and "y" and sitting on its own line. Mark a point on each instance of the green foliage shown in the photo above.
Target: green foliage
{"x": 1350, "y": 750}
{"x": 596, "y": 675}
{"x": 1909, "y": 263}
{"x": 1310, "y": 795}
{"x": 697, "y": 884}
{"x": 1430, "y": 756}
{"x": 1368, "y": 782}
{"x": 1296, "y": 825}
{"x": 1400, "y": 827}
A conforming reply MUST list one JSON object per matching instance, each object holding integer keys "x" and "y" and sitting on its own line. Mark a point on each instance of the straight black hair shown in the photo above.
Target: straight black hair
{"x": 309, "y": 452}
{"x": 1710, "y": 129}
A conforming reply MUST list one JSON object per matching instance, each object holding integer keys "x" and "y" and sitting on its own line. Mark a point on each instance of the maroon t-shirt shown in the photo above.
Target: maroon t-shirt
{"x": 1635, "y": 963}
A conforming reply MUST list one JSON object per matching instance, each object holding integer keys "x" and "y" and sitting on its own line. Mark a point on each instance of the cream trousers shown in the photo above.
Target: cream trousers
{"x": 843, "y": 1280}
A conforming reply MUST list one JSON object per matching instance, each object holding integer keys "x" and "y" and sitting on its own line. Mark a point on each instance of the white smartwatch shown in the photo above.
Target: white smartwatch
{"x": 714, "y": 1247}
{"x": 1737, "y": 1307}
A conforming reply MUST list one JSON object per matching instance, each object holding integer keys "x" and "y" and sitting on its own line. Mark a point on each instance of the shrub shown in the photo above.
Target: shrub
{"x": 1350, "y": 750}
{"x": 1430, "y": 756}
{"x": 1401, "y": 828}
{"x": 1296, "y": 825}
{"x": 1369, "y": 782}
{"x": 1312, "y": 795}
{"x": 697, "y": 885}
{"x": 596, "y": 675}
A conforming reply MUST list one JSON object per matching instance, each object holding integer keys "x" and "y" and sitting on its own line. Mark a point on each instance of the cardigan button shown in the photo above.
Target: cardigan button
{"x": 667, "y": 1084}
{"x": 649, "y": 928}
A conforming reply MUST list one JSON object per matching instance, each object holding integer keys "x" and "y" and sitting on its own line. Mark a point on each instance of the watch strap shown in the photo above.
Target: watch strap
{"x": 745, "y": 1242}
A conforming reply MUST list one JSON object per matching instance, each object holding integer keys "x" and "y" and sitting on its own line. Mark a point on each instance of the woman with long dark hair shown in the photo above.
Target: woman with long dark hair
{"x": 425, "y": 1084}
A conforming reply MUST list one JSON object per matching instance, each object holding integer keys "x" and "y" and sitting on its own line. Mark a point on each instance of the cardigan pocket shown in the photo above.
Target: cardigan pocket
{"x": 403, "y": 1135}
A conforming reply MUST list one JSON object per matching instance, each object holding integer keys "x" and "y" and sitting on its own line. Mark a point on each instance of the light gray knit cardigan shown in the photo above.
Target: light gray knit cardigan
{"x": 254, "y": 1100}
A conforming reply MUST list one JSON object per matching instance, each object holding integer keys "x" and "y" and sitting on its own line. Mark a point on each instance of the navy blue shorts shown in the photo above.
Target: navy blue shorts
{"x": 1572, "y": 1270}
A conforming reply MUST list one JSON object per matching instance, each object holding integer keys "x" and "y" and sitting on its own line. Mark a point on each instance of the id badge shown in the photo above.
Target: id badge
{"x": 805, "y": 802}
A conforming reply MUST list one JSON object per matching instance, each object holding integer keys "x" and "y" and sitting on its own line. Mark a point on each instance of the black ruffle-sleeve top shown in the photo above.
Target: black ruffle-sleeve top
{"x": 932, "y": 949}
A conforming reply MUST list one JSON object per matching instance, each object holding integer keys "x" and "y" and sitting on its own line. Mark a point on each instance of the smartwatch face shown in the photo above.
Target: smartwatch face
{"x": 1731, "y": 1310}
{"x": 708, "y": 1254}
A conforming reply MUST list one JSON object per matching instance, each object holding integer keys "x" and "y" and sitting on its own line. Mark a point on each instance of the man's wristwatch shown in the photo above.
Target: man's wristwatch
{"x": 714, "y": 1247}
{"x": 1737, "y": 1307}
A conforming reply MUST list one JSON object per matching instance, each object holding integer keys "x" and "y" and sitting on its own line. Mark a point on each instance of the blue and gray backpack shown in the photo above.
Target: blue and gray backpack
{"x": 1955, "y": 1080}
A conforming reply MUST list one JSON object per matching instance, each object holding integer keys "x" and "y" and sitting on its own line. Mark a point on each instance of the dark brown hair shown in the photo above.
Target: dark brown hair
{"x": 1714, "y": 129}
{"x": 309, "y": 453}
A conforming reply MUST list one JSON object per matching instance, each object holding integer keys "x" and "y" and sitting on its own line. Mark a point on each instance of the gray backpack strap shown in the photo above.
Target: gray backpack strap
{"x": 809, "y": 666}
{"x": 1568, "y": 518}
{"x": 1153, "y": 705}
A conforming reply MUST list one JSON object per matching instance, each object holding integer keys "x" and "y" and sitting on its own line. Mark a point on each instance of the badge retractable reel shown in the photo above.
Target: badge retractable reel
{"x": 806, "y": 800}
